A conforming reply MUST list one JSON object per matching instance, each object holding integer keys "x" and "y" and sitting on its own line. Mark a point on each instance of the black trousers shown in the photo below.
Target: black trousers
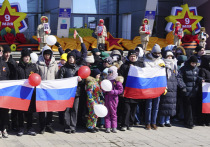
{"x": 45, "y": 119}
{"x": 190, "y": 110}
{"x": 4, "y": 119}
{"x": 20, "y": 117}
{"x": 129, "y": 112}
{"x": 70, "y": 115}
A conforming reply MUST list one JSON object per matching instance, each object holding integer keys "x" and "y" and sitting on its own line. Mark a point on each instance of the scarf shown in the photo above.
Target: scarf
{"x": 171, "y": 66}
{"x": 47, "y": 62}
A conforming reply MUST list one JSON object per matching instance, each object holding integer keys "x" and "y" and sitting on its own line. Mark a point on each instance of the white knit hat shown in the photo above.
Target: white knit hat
{"x": 90, "y": 59}
{"x": 169, "y": 53}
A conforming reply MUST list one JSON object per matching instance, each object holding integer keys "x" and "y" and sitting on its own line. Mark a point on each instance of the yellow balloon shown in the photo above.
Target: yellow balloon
{"x": 13, "y": 47}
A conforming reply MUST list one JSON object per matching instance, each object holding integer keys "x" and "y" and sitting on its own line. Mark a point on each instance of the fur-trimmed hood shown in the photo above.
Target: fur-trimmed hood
{"x": 120, "y": 79}
{"x": 90, "y": 79}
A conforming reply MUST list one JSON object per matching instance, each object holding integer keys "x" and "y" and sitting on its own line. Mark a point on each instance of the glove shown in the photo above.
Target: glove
{"x": 184, "y": 90}
{"x": 39, "y": 40}
{"x": 46, "y": 32}
{"x": 162, "y": 65}
{"x": 147, "y": 33}
{"x": 165, "y": 91}
{"x": 180, "y": 37}
{"x": 57, "y": 44}
{"x": 105, "y": 38}
{"x": 81, "y": 40}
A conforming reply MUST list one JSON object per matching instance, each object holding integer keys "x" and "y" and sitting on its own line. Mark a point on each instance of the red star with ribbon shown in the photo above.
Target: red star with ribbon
{"x": 113, "y": 43}
{"x": 7, "y": 19}
{"x": 186, "y": 22}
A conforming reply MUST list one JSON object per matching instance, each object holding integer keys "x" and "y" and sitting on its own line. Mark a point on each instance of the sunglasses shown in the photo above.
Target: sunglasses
{"x": 109, "y": 72}
{"x": 1, "y": 50}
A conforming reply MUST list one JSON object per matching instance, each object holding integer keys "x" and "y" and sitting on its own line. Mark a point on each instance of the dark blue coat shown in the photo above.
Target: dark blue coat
{"x": 167, "y": 106}
{"x": 188, "y": 78}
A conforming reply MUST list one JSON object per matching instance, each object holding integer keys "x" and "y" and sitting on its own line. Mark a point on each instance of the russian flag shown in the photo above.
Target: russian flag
{"x": 56, "y": 95}
{"x": 145, "y": 83}
{"x": 15, "y": 94}
{"x": 206, "y": 98}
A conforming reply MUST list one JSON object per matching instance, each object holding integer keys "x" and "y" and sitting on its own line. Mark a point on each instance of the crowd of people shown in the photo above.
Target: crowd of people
{"x": 182, "y": 99}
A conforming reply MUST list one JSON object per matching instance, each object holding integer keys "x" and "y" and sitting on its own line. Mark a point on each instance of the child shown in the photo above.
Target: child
{"x": 63, "y": 60}
{"x": 111, "y": 99}
{"x": 93, "y": 97}
{"x": 167, "y": 106}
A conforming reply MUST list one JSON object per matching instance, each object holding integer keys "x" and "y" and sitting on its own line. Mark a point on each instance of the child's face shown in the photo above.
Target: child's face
{"x": 98, "y": 53}
{"x": 63, "y": 62}
{"x": 169, "y": 57}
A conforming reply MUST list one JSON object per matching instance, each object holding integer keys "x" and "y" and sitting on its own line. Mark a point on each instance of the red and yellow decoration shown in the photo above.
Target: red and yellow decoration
{"x": 186, "y": 16}
{"x": 113, "y": 43}
{"x": 9, "y": 18}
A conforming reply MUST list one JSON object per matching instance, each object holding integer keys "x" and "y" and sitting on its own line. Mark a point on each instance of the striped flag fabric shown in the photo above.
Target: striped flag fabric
{"x": 206, "y": 97}
{"x": 75, "y": 34}
{"x": 56, "y": 95}
{"x": 15, "y": 94}
{"x": 145, "y": 83}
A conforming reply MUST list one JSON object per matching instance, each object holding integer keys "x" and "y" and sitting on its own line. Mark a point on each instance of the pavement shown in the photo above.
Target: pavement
{"x": 174, "y": 136}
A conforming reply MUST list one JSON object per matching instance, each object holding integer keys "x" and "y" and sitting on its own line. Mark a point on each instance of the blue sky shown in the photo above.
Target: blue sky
{"x": 23, "y": 4}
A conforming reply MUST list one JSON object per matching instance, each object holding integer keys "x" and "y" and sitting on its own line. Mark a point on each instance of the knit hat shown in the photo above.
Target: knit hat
{"x": 101, "y": 46}
{"x": 156, "y": 49}
{"x": 95, "y": 72}
{"x": 90, "y": 58}
{"x": 198, "y": 48}
{"x": 131, "y": 52}
{"x": 6, "y": 49}
{"x": 108, "y": 60}
{"x": 113, "y": 70}
{"x": 169, "y": 53}
{"x": 77, "y": 53}
{"x": 193, "y": 59}
{"x": 64, "y": 56}
{"x": 95, "y": 50}
{"x": 71, "y": 54}
{"x": 67, "y": 50}
{"x": 25, "y": 52}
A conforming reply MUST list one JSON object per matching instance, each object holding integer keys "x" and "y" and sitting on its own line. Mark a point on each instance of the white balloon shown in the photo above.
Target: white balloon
{"x": 100, "y": 110}
{"x": 51, "y": 40}
{"x": 34, "y": 57}
{"x": 106, "y": 85}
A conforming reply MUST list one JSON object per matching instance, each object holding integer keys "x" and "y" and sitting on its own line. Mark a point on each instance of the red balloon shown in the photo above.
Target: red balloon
{"x": 84, "y": 72}
{"x": 34, "y": 79}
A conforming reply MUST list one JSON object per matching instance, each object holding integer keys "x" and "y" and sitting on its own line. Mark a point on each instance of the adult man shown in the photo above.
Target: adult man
{"x": 129, "y": 109}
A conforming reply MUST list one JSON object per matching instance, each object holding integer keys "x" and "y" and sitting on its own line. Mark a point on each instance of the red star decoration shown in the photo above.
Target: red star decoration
{"x": 186, "y": 22}
{"x": 7, "y": 16}
{"x": 113, "y": 43}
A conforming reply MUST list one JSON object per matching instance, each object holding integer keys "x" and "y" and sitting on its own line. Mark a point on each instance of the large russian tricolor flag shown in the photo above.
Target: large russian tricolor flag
{"x": 56, "y": 95}
{"x": 206, "y": 98}
{"x": 145, "y": 83}
{"x": 15, "y": 94}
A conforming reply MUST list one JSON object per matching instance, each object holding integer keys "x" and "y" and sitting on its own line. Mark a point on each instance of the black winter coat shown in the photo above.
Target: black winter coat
{"x": 24, "y": 70}
{"x": 13, "y": 66}
{"x": 123, "y": 71}
{"x": 188, "y": 78}
{"x": 167, "y": 105}
{"x": 71, "y": 70}
{"x": 205, "y": 68}
{"x": 4, "y": 70}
